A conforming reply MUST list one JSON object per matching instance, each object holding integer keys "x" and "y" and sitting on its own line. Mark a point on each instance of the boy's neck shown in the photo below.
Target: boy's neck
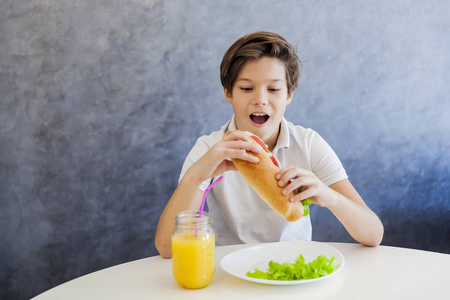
{"x": 272, "y": 141}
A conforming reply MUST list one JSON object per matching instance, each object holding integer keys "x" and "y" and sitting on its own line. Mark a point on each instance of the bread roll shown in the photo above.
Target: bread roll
{"x": 261, "y": 177}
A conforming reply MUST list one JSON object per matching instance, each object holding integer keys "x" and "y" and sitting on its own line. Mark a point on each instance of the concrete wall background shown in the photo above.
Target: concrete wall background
{"x": 100, "y": 101}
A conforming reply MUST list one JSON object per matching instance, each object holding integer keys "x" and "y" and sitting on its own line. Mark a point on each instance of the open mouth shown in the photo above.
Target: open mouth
{"x": 259, "y": 118}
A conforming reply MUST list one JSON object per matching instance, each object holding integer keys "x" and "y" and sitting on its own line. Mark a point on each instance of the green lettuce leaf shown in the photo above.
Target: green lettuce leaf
{"x": 306, "y": 203}
{"x": 297, "y": 270}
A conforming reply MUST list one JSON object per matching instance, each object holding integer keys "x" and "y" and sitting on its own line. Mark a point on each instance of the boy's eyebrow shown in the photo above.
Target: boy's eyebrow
{"x": 249, "y": 80}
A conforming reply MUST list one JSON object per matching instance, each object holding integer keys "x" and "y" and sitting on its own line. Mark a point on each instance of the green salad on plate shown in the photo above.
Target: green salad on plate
{"x": 297, "y": 270}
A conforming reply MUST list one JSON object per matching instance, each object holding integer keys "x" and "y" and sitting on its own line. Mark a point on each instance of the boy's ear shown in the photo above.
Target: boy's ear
{"x": 227, "y": 95}
{"x": 289, "y": 99}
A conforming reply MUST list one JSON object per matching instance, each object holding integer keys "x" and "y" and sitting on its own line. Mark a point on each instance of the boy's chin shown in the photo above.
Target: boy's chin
{"x": 261, "y": 131}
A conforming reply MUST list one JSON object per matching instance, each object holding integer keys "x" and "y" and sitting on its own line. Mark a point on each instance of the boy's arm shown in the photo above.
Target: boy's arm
{"x": 188, "y": 196}
{"x": 359, "y": 220}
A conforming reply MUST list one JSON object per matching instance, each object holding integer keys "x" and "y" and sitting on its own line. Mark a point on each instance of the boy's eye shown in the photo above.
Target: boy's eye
{"x": 274, "y": 90}
{"x": 246, "y": 88}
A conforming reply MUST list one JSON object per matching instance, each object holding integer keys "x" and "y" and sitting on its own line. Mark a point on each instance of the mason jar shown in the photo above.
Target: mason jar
{"x": 193, "y": 247}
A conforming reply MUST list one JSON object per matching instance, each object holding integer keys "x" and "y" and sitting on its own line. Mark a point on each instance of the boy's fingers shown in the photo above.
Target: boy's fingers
{"x": 252, "y": 158}
{"x": 287, "y": 177}
{"x": 296, "y": 185}
{"x": 242, "y": 154}
{"x": 245, "y": 145}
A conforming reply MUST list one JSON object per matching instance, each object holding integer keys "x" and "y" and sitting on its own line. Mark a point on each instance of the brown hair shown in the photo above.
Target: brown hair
{"x": 255, "y": 46}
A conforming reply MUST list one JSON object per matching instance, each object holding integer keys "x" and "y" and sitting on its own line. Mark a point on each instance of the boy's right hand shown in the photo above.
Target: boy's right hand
{"x": 215, "y": 161}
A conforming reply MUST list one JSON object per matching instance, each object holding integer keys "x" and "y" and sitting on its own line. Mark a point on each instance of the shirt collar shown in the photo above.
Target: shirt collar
{"x": 232, "y": 124}
{"x": 283, "y": 138}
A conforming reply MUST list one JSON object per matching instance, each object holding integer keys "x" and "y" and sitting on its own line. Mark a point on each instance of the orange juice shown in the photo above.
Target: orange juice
{"x": 193, "y": 259}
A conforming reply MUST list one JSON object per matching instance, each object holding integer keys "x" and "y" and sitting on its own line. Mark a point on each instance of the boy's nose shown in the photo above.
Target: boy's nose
{"x": 261, "y": 98}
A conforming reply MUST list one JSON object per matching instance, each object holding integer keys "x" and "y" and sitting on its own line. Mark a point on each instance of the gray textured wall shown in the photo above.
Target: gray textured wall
{"x": 100, "y": 101}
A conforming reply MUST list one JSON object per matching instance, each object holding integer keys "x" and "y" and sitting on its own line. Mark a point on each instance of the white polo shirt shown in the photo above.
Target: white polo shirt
{"x": 238, "y": 214}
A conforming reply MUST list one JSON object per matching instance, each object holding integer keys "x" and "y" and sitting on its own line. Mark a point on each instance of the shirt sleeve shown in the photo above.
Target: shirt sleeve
{"x": 325, "y": 164}
{"x": 199, "y": 149}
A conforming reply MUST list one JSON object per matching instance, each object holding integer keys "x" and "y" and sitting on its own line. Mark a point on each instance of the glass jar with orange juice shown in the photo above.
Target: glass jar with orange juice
{"x": 193, "y": 245}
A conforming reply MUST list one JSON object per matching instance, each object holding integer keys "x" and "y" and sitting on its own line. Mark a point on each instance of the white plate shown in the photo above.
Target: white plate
{"x": 238, "y": 263}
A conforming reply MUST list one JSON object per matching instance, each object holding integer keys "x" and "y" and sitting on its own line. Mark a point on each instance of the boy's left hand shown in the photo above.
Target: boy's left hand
{"x": 294, "y": 179}
{"x": 340, "y": 198}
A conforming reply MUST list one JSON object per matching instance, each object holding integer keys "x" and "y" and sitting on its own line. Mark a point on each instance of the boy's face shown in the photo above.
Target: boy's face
{"x": 259, "y": 98}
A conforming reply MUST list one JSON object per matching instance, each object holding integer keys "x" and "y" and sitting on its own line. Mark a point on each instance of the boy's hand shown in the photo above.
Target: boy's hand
{"x": 295, "y": 179}
{"x": 215, "y": 161}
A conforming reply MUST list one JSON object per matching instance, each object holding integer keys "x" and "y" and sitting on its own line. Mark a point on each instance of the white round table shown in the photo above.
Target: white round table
{"x": 369, "y": 273}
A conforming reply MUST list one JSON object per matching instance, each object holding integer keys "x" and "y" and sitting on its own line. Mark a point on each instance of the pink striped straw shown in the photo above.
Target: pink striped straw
{"x": 204, "y": 195}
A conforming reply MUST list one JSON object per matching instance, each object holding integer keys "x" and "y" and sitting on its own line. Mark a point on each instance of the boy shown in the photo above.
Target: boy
{"x": 259, "y": 74}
